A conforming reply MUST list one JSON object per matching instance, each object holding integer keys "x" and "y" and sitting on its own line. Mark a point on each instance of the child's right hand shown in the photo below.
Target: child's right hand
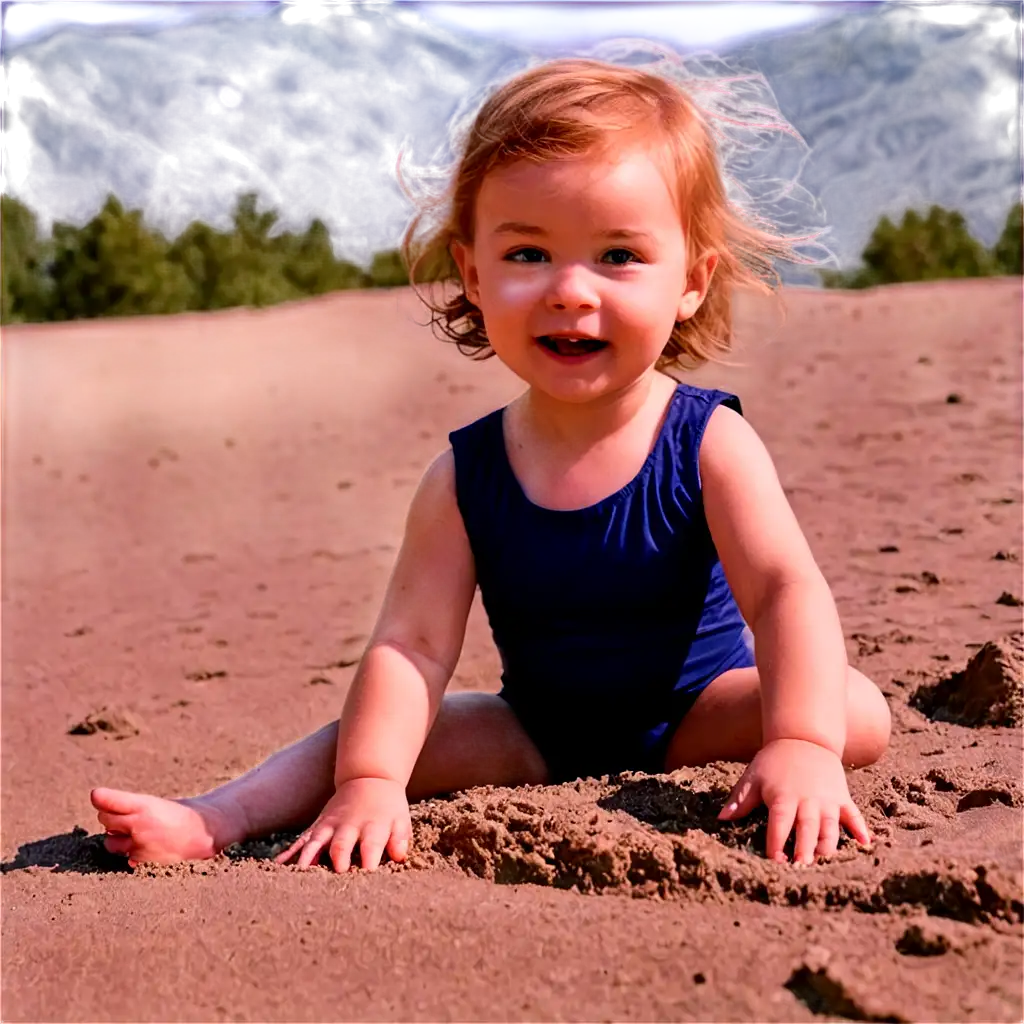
{"x": 370, "y": 813}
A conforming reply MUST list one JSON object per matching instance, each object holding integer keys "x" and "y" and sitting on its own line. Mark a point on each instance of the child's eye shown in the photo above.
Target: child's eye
{"x": 615, "y": 256}
{"x": 525, "y": 256}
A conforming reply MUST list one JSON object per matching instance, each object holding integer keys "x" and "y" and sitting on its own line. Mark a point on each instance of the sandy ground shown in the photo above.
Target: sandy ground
{"x": 199, "y": 516}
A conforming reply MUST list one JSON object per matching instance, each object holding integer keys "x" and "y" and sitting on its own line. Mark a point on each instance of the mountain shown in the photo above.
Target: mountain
{"x": 306, "y": 108}
{"x": 903, "y": 109}
{"x": 309, "y": 108}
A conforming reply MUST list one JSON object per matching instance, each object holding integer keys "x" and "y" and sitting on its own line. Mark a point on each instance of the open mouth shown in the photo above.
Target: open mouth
{"x": 571, "y": 346}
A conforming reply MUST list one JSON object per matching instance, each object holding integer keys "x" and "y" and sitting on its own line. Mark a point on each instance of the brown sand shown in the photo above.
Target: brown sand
{"x": 200, "y": 513}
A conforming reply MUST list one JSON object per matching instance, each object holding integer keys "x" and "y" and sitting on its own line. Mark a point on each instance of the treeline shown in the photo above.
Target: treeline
{"x": 929, "y": 248}
{"x": 116, "y": 265}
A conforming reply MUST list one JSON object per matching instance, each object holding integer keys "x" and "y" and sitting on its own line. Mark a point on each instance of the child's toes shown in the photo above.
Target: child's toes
{"x": 116, "y": 801}
{"x": 118, "y": 844}
{"x": 115, "y": 824}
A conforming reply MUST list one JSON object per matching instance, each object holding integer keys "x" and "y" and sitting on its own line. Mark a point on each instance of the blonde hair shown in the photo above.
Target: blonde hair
{"x": 569, "y": 107}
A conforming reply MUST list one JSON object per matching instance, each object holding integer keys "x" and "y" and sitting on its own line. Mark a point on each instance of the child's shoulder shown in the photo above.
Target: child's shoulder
{"x": 691, "y": 413}
{"x": 707, "y": 398}
{"x": 476, "y": 429}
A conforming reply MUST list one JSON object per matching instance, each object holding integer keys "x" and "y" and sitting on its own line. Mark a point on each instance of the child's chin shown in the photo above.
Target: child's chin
{"x": 573, "y": 391}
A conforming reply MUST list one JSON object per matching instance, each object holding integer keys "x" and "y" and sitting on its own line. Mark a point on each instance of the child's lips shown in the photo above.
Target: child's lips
{"x": 570, "y": 346}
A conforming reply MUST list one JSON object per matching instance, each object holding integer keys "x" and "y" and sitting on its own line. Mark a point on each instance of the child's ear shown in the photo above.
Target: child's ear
{"x": 463, "y": 256}
{"x": 698, "y": 280}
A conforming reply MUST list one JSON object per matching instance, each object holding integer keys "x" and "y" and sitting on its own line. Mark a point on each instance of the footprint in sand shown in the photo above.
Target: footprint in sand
{"x": 934, "y": 798}
{"x": 830, "y": 985}
{"x": 987, "y": 797}
{"x": 195, "y": 556}
{"x": 925, "y": 938}
{"x": 114, "y": 722}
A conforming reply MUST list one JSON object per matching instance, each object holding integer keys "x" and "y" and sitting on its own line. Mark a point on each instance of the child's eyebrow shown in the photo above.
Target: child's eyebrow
{"x": 515, "y": 227}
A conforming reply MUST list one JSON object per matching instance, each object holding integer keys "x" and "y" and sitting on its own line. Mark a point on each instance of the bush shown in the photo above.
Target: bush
{"x": 116, "y": 266}
{"x": 929, "y": 248}
{"x": 388, "y": 270}
{"x": 310, "y": 264}
{"x": 1007, "y": 251}
{"x": 26, "y": 286}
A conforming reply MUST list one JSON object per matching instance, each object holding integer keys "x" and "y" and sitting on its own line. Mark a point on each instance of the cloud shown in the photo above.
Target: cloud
{"x": 687, "y": 25}
{"x": 538, "y": 26}
{"x": 29, "y": 21}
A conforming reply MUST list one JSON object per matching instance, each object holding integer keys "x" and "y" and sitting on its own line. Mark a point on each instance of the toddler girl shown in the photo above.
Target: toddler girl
{"x": 624, "y": 529}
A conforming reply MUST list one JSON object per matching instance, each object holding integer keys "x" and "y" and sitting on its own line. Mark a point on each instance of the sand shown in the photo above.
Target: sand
{"x": 200, "y": 513}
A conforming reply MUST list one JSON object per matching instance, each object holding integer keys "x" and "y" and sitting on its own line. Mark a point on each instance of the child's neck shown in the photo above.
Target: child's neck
{"x": 577, "y": 427}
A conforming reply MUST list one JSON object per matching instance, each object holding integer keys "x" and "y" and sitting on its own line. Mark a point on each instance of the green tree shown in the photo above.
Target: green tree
{"x": 919, "y": 249}
{"x": 1007, "y": 251}
{"x": 114, "y": 266}
{"x": 309, "y": 263}
{"x": 235, "y": 268}
{"x": 26, "y": 287}
{"x": 388, "y": 270}
{"x": 199, "y": 251}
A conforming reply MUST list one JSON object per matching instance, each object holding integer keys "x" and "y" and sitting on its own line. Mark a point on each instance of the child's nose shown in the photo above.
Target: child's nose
{"x": 572, "y": 288}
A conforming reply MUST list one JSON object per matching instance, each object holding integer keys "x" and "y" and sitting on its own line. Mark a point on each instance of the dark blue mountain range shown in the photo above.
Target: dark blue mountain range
{"x": 309, "y": 109}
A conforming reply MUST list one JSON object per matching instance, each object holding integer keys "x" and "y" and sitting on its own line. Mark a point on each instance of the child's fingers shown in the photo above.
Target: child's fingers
{"x": 372, "y": 841}
{"x": 850, "y": 816}
{"x": 828, "y": 841}
{"x": 283, "y": 858}
{"x": 319, "y": 837}
{"x": 781, "y": 816}
{"x": 745, "y": 796}
{"x": 344, "y": 842}
{"x": 808, "y": 828}
{"x": 398, "y": 844}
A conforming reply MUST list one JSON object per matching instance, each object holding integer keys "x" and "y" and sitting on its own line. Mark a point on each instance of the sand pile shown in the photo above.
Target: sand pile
{"x": 116, "y": 723}
{"x": 989, "y": 691}
{"x": 658, "y": 836}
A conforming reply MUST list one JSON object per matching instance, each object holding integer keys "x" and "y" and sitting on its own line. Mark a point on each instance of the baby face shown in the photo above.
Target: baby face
{"x": 579, "y": 267}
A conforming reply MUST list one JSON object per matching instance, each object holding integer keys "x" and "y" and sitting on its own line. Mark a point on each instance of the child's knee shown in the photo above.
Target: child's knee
{"x": 869, "y": 721}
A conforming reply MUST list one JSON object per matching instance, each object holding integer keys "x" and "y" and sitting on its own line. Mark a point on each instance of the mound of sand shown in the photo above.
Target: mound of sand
{"x": 659, "y": 836}
{"x": 115, "y": 722}
{"x": 989, "y": 691}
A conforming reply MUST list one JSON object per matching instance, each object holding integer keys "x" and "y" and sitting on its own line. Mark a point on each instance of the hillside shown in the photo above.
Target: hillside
{"x": 902, "y": 112}
{"x": 899, "y": 110}
{"x": 326, "y": 101}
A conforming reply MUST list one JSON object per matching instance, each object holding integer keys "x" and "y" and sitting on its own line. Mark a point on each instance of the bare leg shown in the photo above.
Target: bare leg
{"x": 476, "y": 740}
{"x": 725, "y": 722}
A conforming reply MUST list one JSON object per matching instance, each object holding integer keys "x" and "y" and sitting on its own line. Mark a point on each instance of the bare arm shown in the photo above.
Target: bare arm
{"x": 801, "y": 656}
{"x": 417, "y": 640}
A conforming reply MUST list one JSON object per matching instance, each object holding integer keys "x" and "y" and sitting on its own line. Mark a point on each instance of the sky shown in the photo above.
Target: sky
{"x": 527, "y": 23}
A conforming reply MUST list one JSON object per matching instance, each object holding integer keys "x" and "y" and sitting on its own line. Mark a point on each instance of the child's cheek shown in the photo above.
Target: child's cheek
{"x": 510, "y": 291}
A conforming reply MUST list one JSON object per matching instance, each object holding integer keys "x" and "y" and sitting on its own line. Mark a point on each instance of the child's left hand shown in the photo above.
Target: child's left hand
{"x": 802, "y": 784}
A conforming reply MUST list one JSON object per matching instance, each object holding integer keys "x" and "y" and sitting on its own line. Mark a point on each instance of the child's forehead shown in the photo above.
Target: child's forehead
{"x": 629, "y": 172}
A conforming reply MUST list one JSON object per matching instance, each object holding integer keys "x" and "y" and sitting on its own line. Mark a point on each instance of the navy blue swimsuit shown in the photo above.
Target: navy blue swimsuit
{"x": 610, "y": 620}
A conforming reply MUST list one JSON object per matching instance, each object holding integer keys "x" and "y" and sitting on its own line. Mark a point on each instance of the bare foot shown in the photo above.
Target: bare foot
{"x": 151, "y": 829}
